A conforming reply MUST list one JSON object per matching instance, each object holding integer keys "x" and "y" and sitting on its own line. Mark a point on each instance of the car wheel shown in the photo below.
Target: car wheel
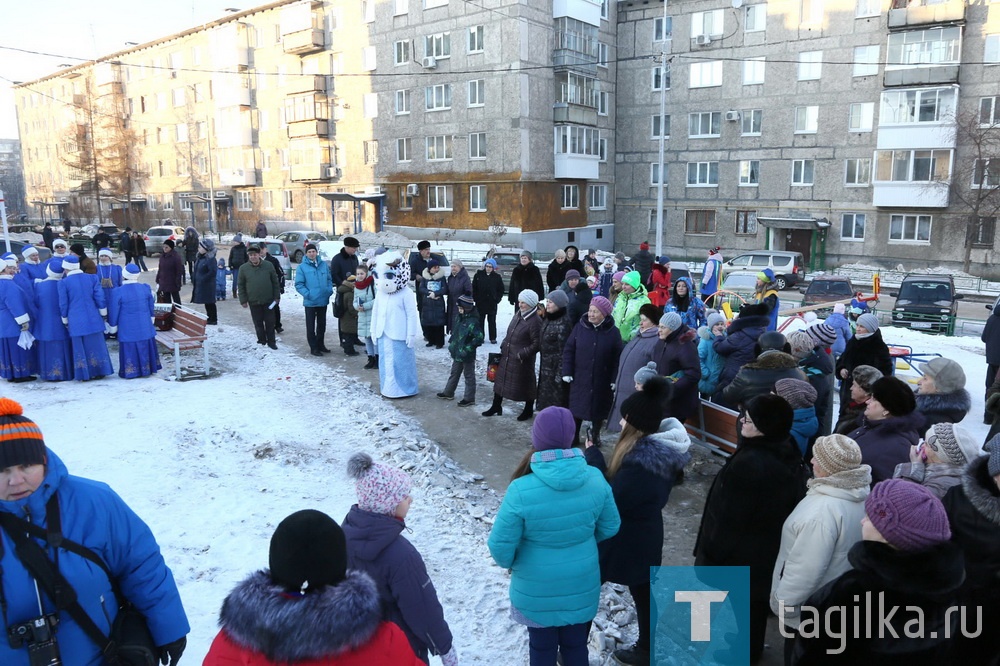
{"x": 780, "y": 283}
{"x": 297, "y": 257}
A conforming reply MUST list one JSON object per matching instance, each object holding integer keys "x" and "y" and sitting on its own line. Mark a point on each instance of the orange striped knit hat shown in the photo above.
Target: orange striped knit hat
{"x": 21, "y": 440}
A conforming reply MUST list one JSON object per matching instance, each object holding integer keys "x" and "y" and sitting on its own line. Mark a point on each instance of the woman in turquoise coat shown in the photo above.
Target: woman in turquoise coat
{"x": 546, "y": 532}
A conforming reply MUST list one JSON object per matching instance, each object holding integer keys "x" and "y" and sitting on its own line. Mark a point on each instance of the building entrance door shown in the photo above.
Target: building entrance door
{"x": 799, "y": 240}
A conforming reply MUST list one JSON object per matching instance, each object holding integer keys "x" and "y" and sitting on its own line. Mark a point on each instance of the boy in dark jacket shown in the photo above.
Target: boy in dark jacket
{"x": 466, "y": 337}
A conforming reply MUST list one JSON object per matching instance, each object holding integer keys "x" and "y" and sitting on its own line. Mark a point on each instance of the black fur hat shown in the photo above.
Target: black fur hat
{"x": 772, "y": 415}
{"x": 308, "y": 551}
{"x": 644, "y": 409}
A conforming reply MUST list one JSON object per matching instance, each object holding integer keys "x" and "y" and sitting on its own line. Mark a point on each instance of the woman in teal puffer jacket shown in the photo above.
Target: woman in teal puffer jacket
{"x": 313, "y": 282}
{"x": 555, "y": 511}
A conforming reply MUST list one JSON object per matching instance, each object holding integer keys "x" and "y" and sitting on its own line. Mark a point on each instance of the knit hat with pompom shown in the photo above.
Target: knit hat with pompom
{"x": 380, "y": 487}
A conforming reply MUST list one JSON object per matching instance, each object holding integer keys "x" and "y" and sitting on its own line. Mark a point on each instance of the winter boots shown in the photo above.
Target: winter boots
{"x": 496, "y": 409}
{"x": 372, "y": 363}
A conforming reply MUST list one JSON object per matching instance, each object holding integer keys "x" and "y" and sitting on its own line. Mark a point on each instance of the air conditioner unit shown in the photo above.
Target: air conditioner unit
{"x": 412, "y": 190}
{"x": 430, "y": 62}
{"x": 333, "y": 172}
{"x": 222, "y": 194}
{"x": 173, "y": 75}
{"x": 703, "y": 40}
{"x": 375, "y": 189}
{"x": 732, "y": 115}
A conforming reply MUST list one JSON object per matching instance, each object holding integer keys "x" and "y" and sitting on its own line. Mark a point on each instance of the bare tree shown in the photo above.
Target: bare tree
{"x": 975, "y": 179}
{"x": 119, "y": 152}
{"x": 82, "y": 157}
{"x": 497, "y": 230}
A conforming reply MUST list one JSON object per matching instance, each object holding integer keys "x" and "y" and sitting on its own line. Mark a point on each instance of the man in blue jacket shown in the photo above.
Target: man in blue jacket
{"x": 91, "y": 514}
{"x": 314, "y": 282}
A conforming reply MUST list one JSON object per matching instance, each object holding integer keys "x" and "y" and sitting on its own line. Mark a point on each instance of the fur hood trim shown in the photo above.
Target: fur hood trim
{"x": 773, "y": 360}
{"x": 285, "y": 627}
{"x": 672, "y": 433}
{"x": 981, "y": 490}
{"x": 440, "y": 275}
{"x": 658, "y": 457}
{"x": 959, "y": 400}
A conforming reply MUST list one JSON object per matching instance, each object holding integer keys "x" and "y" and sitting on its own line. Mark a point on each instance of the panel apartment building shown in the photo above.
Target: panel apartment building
{"x": 423, "y": 114}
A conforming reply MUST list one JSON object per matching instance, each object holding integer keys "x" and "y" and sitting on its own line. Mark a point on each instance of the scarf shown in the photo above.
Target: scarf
{"x": 847, "y": 480}
{"x": 364, "y": 284}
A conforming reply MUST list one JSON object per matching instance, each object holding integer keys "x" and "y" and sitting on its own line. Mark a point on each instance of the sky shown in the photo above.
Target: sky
{"x": 74, "y": 30}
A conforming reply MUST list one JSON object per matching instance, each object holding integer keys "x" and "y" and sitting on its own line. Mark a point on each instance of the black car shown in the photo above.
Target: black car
{"x": 926, "y": 302}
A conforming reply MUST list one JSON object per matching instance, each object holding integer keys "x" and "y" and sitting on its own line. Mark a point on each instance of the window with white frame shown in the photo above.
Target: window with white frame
{"x": 283, "y": 157}
{"x": 705, "y": 124}
{"x": 707, "y": 23}
{"x": 152, "y": 202}
{"x": 857, "y": 172}
{"x": 477, "y": 92}
{"x": 268, "y": 200}
{"x": 662, "y": 28}
{"x": 910, "y": 228}
{"x": 991, "y": 53}
{"x": 402, "y": 102}
{"x": 750, "y": 121}
{"x": 860, "y": 116}
{"x": 602, "y": 150}
{"x": 852, "y": 227}
{"x": 922, "y": 105}
{"x": 243, "y": 200}
{"x": 181, "y": 130}
{"x": 654, "y": 173}
{"x": 986, "y": 174}
{"x": 369, "y": 104}
{"x": 802, "y": 172}
{"x": 477, "y": 146}
{"x": 368, "y": 61}
{"x": 476, "y": 39}
{"x": 597, "y": 197}
{"x": 428, "y": 4}
{"x": 755, "y": 18}
{"x": 660, "y": 77}
{"x": 699, "y": 221}
{"x": 477, "y": 198}
{"x": 168, "y": 199}
{"x": 604, "y": 9}
{"x": 178, "y": 96}
{"x": 404, "y": 150}
{"x": 400, "y": 7}
{"x": 912, "y": 166}
{"x": 703, "y": 174}
{"x": 989, "y": 111}
{"x": 439, "y": 147}
{"x": 439, "y": 197}
{"x": 749, "y": 173}
{"x": 602, "y": 54}
{"x": 932, "y": 46}
{"x": 368, "y": 11}
{"x": 401, "y": 52}
{"x": 570, "y": 197}
{"x": 603, "y": 101}
{"x": 438, "y": 45}
{"x": 265, "y": 160}
{"x": 405, "y": 198}
{"x": 753, "y": 71}
{"x": 577, "y": 140}
{"x": 864, "y": 8}
{"x": 371, "y": 152}
{"x": 652, "y": 221}
{"x": 810, "y": 65}
{"x": 810, "y": 12}
{"x": 655, "y": 127}
{"x": 438, "y": 97}
{"x": 806, "y": 119}
{"x": 706, "y": 74}
{"x": 866, "y": 60}
{"x": 288, "y": 199}
{"x": 746, "y": 223}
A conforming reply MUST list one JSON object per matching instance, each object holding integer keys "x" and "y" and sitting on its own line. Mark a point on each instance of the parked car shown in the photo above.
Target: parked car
{"x": 826, "y": 289}
{"x": 788, "y": 267}
{"x": 17, "y": 247}
{"x": 508, "y": 258}
{"x": 741, "y": 286}
{"x": 277, "y": 249}
{"x": 296, "y": 241}
{"x": 156, "y": 236}
{"x": 85, "y": 233}
{"x": 926, "y": 302}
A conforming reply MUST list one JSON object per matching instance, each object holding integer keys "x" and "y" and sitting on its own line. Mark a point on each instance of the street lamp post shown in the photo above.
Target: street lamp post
{"x": 663, "y": 109}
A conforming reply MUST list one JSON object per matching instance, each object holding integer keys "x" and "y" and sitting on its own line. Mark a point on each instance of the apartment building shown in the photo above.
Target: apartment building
{"x": 848, "y": 130}
{"x": 11, "y": 178}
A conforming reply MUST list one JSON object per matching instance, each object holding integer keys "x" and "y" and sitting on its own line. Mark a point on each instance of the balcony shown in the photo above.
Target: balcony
{"x": 916, "y": 75}
{"x": 232, "y": 95}
{"x": 309, "y": 173}
{"x": 309, "y": 128}
{"x": 306, "y": 84}
{"x": 588, "y": 11}
{"x": 913, "y": 14}
{"x": 303, "y": 42}
{"x": 571, "y": 165}
{"x": 914, "y": 136}
{"x": 237, "y": 177}
{"x": 234, "y": 136}
{"x": 563, "y": 112}
{"x": 910, "y": 195}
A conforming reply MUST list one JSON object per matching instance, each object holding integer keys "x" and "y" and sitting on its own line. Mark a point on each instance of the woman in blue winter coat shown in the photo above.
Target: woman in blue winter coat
{"x": 375, "y": 544}
{"x": 203, "y": 277}
{"x": 16, "y": 364}
{"x": 130, "y": 313}
{"x": 802, "y": 397}
{"x": 36, "y": 487}
{"x": 838, "y": 321}
{"x": 711, "y": 362}
{"x": 54, "y": 354}
{"x": 314, "y": 283}
{"x": 83, "y": 308}
{"x": 738, "y": 345}
{"x": 546, "y": 532}
{"x": 686, "y": 303}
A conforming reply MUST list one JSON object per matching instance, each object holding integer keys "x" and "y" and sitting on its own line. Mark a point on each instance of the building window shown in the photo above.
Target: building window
{"x": 368, "y": 61}
{"x": 602, "y": 150}
{"x": 857, "y": 172}
{"x": 655, "y": 124}
{"x": 597, "y": 197}
{"x": 604, "y": 9}
{"x": 243, "y": 201}
{"x": 438, "y": 46}
{"x": 477, "y": 198}
{"x": 811, "y": 12}
{"x": 476, "y": 39}
{"x": 660, "y": 77}
{"x": 368, "y": 11}
{"x": 989, "y": 111}
{"x": 181, "y": 130}
{"x": 654, "y": 173}
{"x": 806, "y": 119}
{"x": 707, "y": 23}
{"x": 371, "y": 152}
{"x": 405, "y": 198}
{"x": 152, "y": 202}
{"x": 746, "y": 223}
{"x": 439, "y": 147}
{"x": 178, "y": 96}
{"x": 986, "y": 174}
{"x": 860, "y": 117}
{"x": 703, "y": 125}
{"x": 435, "y": 3}
{"x": 399, "y": 8}
{"x": 802, "y": 172}
{"x": 810, "y": 65}
{"x": 991, "y": 54}
{"x": 750, "y": 121}
{"x": 984, "y": 232}
{"x": 703, "y": 174}
{"x": 438, "y": 98}
{"x": 288, "y": 199}
{"x": 577, "y": 140}
{"x": 866, "y": 60}
{"x": 912, "y": 166}
{"x": 477, "y": 146}
{"x": 477, "y": 92}
{"x": 933, "y": 46}
{"x": 910, "y": 228}
{"x": 753, "y": 70}
{"x": 923, "y": 105}
{"x": 699, "y": 221}
{"x": 602, "y": 54}
{"x": 401, "y": 52}
{"x": 404, "y": 150}
{"x": 268, "y": 202}
{"x": 402, "y": 102}
{"x": 756, "y": 17}
{"x": 662, "y": 28}
{"x": 439, "y": 197}
{"x": 603, "y": 100}
{"x": 570, "y": 197}
{"x": 369, "y": 104}
{"x": 852, "y": 227}
{"x": 865, "y": 8}
{"x": 706, "y": 74}
{"x": 168, "y": 199}
{"x": 749, "y": 173}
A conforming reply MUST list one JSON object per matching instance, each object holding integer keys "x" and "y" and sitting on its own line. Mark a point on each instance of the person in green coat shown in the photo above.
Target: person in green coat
{"x": 258, "y": 289}
{"x": 555, "y": 511}
{"x": 466, "y": 337}
{"x": 627, "y": 305}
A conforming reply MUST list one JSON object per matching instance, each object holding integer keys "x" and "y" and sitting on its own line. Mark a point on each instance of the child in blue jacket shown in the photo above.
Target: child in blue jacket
{"x": 220, "y": 280}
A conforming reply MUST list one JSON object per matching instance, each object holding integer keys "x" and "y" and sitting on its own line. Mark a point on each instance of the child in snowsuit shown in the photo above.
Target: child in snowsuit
{"x": 220, "y": 280}
{"x": 465, "y": 338}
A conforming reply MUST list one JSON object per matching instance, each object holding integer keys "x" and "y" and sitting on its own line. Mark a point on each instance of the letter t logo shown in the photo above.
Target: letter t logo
{"x": 701, "y": 616}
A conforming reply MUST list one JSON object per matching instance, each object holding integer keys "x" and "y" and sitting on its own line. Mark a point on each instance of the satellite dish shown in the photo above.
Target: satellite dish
{"x": 737, "y": 4}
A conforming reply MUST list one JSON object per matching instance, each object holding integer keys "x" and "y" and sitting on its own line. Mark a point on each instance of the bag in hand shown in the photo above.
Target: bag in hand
{"x": 492, "y": 363}
{"x": 131, "y": 635}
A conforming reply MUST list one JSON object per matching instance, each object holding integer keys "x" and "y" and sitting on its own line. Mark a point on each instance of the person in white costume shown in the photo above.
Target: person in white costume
{"x": 395, "y": 327}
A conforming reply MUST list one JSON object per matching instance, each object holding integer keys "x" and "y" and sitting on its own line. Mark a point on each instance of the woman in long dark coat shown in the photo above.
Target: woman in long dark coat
{"x": 515, "y": 378}
{"x": 459, "y": 284}
{"x": 487, "y": 292}
{"x": 556, "y": 327}
{"x": 203, "y": 279}
{"x": 639, "y": 351}
{"x": 677, "y": 358}
{"x": 590, "y": 365}
{"x": 865, "y": 348}
{"x": 525, "y": 276}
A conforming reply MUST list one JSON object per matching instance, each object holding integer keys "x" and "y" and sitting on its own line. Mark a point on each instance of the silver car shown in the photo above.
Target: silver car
{"x": 296, "y": 241}
{"x": 276, "y": 248}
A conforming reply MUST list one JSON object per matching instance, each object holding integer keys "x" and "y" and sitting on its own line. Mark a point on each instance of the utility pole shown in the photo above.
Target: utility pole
{"x": 211, "y": 178}
{"x": 663, "y": 119}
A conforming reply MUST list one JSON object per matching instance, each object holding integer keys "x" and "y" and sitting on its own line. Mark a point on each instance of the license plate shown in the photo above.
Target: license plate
{"x": 921, "y": 324}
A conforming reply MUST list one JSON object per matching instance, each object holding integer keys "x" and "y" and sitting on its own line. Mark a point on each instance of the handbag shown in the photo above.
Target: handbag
{"x": 492, "y": 364}
{"x": 163, "y": 317}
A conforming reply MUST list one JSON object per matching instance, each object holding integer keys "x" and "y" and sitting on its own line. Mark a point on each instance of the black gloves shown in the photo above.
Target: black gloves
{"x": 171, "y": 653}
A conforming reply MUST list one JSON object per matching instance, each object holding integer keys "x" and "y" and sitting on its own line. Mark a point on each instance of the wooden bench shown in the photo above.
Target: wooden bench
{"x": 714, "y": 427}
{"x": 188, "y": 332}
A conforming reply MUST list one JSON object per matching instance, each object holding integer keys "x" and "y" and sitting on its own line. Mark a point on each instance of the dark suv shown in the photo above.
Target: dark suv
{"x": 926, "y": 302}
